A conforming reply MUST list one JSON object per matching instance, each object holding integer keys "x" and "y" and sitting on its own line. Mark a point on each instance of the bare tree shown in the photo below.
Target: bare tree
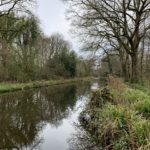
{"x": 118, "y": 19}
{"x": 9, "y": 6}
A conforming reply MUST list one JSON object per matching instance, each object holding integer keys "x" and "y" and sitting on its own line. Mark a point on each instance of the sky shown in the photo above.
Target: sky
{"x": 53, "y": 19}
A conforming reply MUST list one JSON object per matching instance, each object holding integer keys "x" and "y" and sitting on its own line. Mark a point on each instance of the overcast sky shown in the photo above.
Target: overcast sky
{"x": 52, "y": 17}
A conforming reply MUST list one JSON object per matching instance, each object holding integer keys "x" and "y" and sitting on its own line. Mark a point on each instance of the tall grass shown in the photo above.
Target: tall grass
{"x": 124, "y": 122}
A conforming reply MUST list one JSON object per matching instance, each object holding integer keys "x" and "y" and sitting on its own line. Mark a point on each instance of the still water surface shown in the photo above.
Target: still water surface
{"x": 41, "y": 119}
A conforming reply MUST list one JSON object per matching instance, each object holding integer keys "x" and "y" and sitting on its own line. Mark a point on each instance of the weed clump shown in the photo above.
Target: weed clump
{"x": 100, "y": 97}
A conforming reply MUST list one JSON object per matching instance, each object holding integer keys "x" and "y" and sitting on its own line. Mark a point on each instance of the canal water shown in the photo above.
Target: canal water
{"x": 42, "y": 119}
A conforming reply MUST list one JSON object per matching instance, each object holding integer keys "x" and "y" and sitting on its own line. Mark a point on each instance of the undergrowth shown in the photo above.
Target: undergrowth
{"x": 120, "y": 120}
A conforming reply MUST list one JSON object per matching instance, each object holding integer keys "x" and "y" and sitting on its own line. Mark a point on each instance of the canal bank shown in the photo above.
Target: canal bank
{"x": 118, "y": 117}
{"x": 10, "y": 87}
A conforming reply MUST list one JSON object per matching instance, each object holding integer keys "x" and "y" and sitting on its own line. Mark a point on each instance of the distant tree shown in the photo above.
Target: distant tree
{"x": 84, "y": 67}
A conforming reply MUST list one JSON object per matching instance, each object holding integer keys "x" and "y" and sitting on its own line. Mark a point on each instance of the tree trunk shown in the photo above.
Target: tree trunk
{"x": 141, "y": 66}
{"x": 124, "y": 71}
{"x": 125, "y": 68}
{"x": 109, "y": 65}
{"x": 134, "y": 67}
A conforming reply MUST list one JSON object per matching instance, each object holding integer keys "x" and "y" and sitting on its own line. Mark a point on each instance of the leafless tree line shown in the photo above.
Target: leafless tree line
{"x": 114, "y": 27}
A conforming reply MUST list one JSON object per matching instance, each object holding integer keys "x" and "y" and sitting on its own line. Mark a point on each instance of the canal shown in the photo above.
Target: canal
{"x": 42, "y": 119}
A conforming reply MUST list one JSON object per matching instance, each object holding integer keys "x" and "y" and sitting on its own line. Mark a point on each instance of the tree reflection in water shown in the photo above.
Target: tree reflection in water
{"x": 24, "y": 114}
{"x": 81, "y": 140}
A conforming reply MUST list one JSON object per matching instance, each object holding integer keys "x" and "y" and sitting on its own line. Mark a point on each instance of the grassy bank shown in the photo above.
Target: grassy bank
{"x": 10, "y": 87}
{"x": 120, "y": 117}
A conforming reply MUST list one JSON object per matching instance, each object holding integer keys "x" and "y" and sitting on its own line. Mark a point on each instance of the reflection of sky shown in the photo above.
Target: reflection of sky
{"x": 46, "y": 115}
{"x": 56, "y": 138}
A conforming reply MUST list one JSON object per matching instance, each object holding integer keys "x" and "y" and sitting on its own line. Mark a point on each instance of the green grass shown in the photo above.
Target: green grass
{"x": 10, "y": 87}
{"x": 143, "y": 88}
{"x": 121, "y": 128}
{"x": 122, "y": 123}
{"x": 136, "y": 99}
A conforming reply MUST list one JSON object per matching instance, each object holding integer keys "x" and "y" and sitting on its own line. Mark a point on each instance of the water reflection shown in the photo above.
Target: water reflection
{"x": 81, "y": 140}
{"x": 24, "y": 114}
